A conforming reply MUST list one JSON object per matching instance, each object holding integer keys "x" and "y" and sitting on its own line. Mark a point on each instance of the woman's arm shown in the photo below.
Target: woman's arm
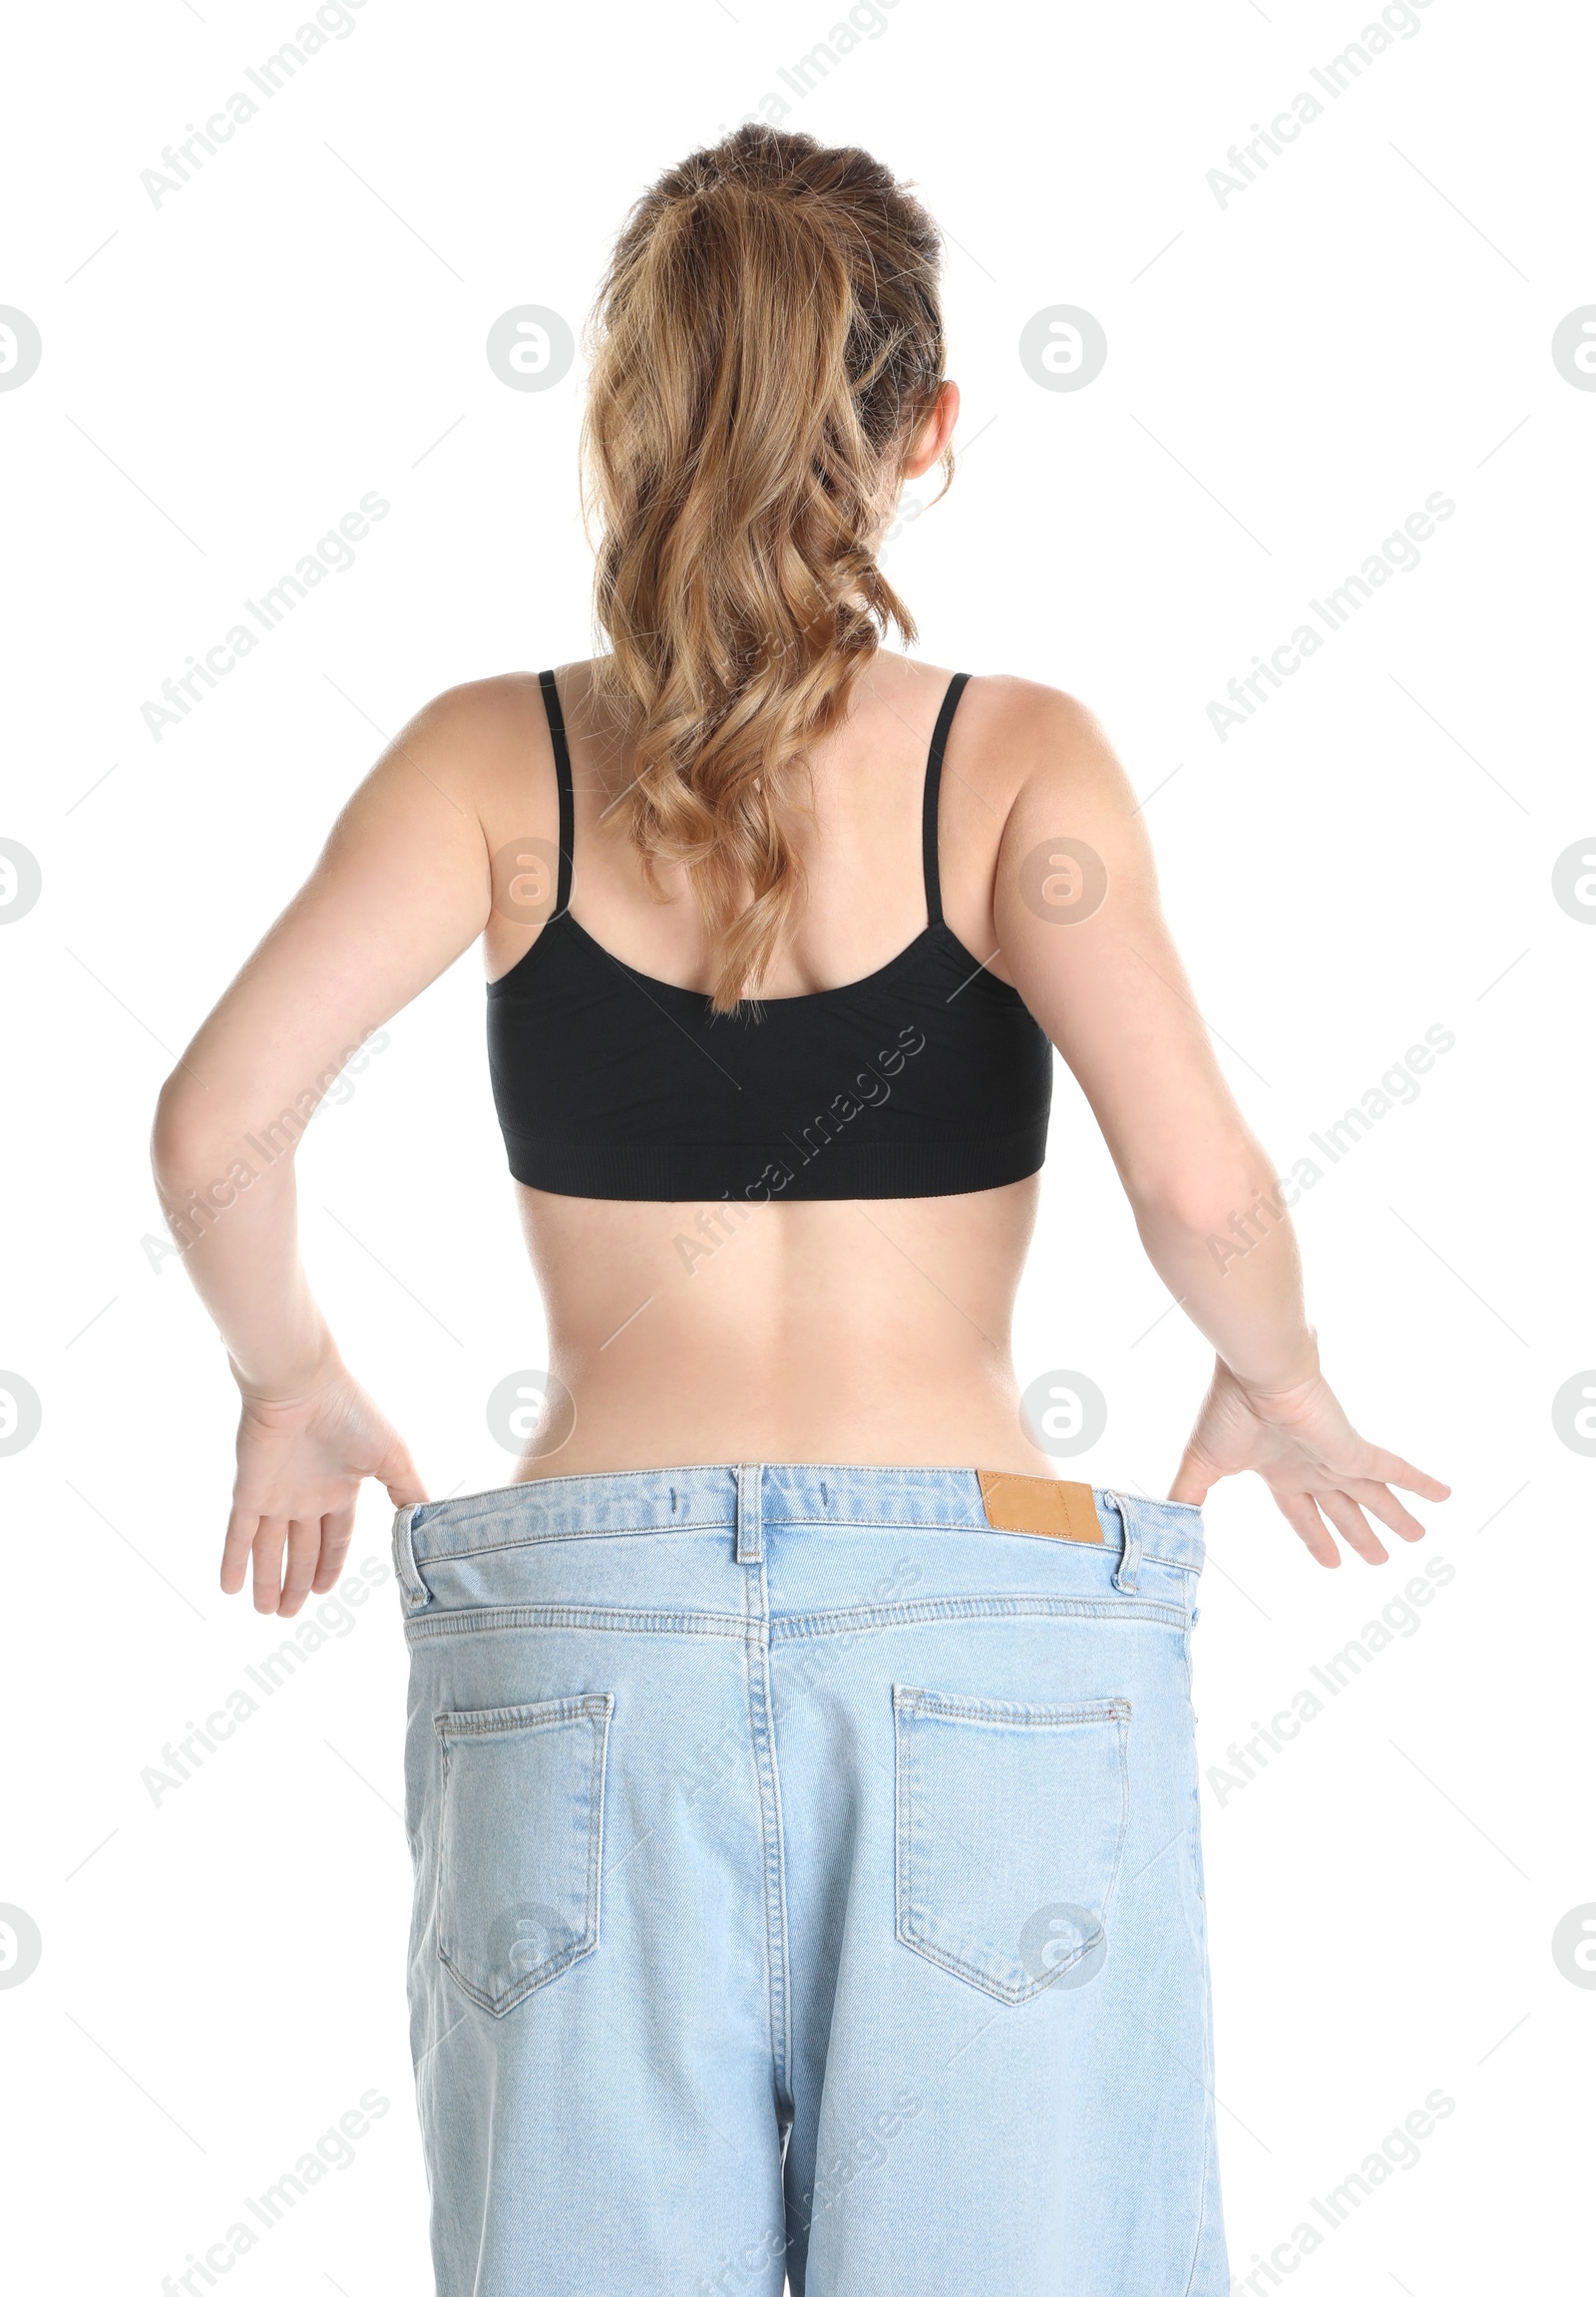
{"x": 400, "y": 891}
{"x": 1107, "y": 985}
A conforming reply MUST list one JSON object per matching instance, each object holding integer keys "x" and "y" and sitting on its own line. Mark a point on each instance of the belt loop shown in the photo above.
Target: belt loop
{"x": 750, "y": 1520}
{"x": 413, "y": 1589}
{"x": 1130, "y": 1553}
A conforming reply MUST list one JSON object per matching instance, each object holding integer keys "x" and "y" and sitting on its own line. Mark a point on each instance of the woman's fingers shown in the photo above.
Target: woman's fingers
{"x": 241, "y": 1527}
{"x": 1194, "y": 1479}
{"x": 302, "y": 1466}
{"x": 1391, "y": 1467}
{"x": 1321, "y": 1475}
{"x": 292, "y": 1557}
{"x": 1303, "y": 1518}
{"x": 1354, "y": 1526}
{"x": 271, "y": 1536}
{"x": 399, "y": 1479}
{"x": 1387, "y": 1506}
{"x": 304, "y": 1550}
{"x": 338, "y": 1530}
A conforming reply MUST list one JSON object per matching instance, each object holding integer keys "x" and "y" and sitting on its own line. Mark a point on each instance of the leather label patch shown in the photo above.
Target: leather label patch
{"x": 1035, "y": 1504}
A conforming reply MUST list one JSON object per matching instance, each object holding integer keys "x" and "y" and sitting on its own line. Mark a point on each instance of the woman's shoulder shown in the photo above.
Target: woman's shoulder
{"x": 485, "y": 744}
{"x": 1020, "y": 737}
{"x": 487, "y": 740}
{"x": 1030, "y": 715}
{"x": 480, "y": 711}
{"x": 500, "y": 716}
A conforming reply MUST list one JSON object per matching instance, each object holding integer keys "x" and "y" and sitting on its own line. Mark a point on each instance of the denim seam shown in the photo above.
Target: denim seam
{"x": 1194, "y": 1854}
{"x": 481, "y": 1619}
{"x": 773, "y": 1890}
{"x": 591, "y": 1531}
{"x": 981, "y": 1530}
{"x": 489, "y": 1617}
{"x": 1002, "y": 1714}
{"x": 932, "y": 1607}
{"x": 1206, "y": 2193}
{"x": 991, "y": 1986}
{"x": 496, "y": 1722}
{"x": 1148, "y": 1554}
{"x": 902, "y": 1803}
{"x": 1203, "y": 2189}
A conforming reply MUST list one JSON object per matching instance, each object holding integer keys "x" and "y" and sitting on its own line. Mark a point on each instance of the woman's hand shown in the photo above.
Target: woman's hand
{"x": 301, "y": 1461}
{"x": 1313, "y": 1459}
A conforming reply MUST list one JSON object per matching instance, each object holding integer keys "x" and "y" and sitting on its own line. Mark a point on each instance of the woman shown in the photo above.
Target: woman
{"x": 801, "y": 1780}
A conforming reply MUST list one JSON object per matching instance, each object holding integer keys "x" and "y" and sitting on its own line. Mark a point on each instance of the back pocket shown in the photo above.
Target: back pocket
{"x": 1010, "y": 1824}
{"x": 521, "y": 1839}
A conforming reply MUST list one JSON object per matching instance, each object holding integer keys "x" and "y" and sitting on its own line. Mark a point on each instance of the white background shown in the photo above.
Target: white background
{"x": 1369, "y": 855}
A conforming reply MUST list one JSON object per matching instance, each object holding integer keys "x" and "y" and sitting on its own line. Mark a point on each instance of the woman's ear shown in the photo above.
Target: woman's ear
{"x": 935, "y": 433}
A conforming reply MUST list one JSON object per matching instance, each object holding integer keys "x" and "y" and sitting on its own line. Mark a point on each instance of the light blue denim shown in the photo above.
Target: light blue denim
{"x": 807, "y": 1883}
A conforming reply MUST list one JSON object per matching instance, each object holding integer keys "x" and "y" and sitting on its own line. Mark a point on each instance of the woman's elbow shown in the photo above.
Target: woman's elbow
{"x": 186, "y": 1137}
{"x": 1201, "y": 1194}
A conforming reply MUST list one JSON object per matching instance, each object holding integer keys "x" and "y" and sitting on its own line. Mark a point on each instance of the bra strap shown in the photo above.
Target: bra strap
{"x": 568, "y": 802}
{"x": 938, "y": 739}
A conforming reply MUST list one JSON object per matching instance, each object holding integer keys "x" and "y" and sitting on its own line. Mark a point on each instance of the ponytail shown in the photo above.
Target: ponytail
{"x": 766, "y": 344}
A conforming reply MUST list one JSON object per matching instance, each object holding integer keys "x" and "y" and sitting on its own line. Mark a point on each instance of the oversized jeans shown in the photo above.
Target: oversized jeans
{"x": 808, "y": 1886}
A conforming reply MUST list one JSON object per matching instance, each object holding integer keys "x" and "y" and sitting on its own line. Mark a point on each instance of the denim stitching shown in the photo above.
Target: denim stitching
{"x": 594, "y": 1531}
{"x": 727, "y": 1522}
{"x": 904, "y": 1804}
{"x": 929, "y": 1607}
{"x": 494, "y": 1618}
{"x": 490, "y": 1722}
{"x": 993, "y": 1985}
{"x": 589, "y": 1942}
{"x": 595, "y": 1819}
{"x": 1203, "y": 2189}
{"x": 907, "y": 1704}
{"x": 767, "y": 1789}
{"x": 1003, "y": 1712}
{"x": 488, "y": 1618}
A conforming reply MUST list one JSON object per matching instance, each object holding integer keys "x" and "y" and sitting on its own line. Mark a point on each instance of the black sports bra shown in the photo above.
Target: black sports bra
{"x": 928, "y": 1077}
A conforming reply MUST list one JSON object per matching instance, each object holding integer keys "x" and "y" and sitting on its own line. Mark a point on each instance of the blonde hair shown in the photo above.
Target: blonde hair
{"x": 766, "y": 343}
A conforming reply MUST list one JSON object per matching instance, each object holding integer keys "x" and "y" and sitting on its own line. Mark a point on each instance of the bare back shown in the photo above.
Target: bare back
{"x": 870, "y": 1332}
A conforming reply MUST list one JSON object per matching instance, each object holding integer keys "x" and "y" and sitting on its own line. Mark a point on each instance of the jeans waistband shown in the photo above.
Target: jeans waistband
{"x": 750, "y": 1502}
